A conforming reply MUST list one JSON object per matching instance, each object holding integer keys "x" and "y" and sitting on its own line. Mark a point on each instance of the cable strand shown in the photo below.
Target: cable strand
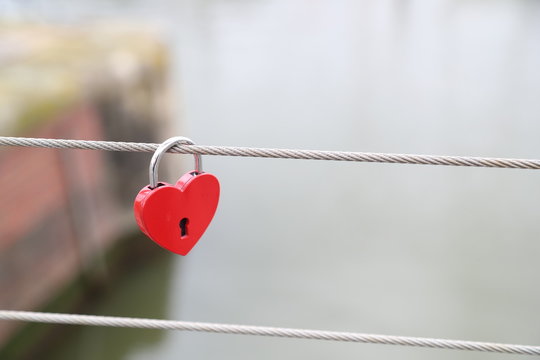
{"x": 277, "y": 153}
{"x": 260, "y": 330}
{"x": 125, "y": 322}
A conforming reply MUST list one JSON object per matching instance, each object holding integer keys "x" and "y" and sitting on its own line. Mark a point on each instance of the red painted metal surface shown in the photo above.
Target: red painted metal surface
{"x": 176, "y": 216}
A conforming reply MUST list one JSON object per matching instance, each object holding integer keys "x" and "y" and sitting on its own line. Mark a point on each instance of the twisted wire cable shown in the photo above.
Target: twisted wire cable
{"x": 126, "y": 322}
{"x": 277, "y": 153}
{"x": 262, "y": 330}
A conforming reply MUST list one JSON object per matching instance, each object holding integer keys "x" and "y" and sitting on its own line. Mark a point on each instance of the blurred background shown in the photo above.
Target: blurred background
{"x": 391, "y": 249}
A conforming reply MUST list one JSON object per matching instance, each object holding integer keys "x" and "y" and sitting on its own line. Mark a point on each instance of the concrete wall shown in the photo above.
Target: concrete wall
{"x": 61, "y": 210}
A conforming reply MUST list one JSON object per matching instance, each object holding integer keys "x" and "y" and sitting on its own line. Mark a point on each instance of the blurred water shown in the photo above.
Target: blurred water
{"x": 391, "y": 249}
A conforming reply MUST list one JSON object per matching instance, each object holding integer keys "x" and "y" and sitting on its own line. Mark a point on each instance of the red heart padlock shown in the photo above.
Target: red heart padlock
{"x": 176, "y": 216}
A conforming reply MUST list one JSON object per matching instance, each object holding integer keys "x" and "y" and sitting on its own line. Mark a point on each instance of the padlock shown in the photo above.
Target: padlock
{"x": 176, "y": 216}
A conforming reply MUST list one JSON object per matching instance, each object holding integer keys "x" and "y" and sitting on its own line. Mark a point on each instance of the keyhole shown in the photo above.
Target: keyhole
{"x": 183, "y": 227}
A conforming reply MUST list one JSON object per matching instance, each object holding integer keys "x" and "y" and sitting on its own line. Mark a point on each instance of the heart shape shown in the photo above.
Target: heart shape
{"x": 176, "y": 216}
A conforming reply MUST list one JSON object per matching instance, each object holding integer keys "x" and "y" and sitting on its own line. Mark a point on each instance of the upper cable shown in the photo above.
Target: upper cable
{"x": 278, "y": 153}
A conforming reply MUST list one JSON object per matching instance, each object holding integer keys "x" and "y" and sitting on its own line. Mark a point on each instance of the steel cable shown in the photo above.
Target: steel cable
{"x": 126, "y": 322}
{"x": 261, "y": 330}
{"x": 277, "y": 153}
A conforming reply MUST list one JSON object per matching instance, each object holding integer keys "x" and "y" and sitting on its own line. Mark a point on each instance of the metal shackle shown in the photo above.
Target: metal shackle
{"x": 162, "y": 149}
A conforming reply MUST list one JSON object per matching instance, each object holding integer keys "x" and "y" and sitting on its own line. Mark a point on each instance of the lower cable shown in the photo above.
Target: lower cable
{"x": 92, "y": 320}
